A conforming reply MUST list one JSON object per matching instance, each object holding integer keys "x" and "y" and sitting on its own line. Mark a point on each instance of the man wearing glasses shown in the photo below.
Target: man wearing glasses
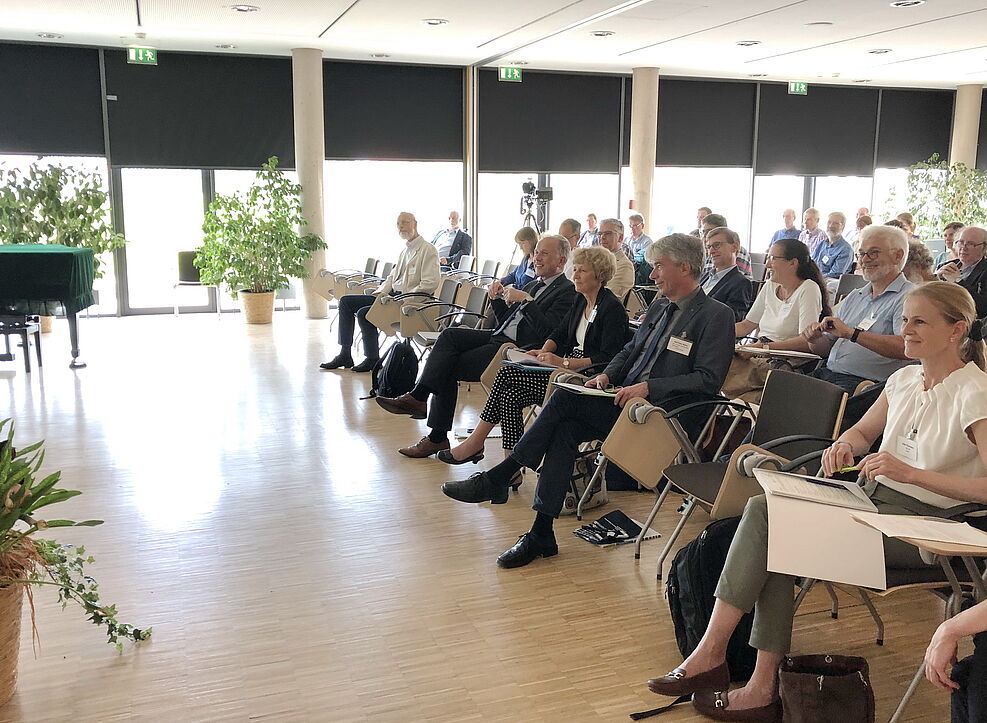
{"x": 712, "y": 222}
{"x": 970, "y": 268}
{"x": 863, "y": 341}
{"x": 611, "y": 237}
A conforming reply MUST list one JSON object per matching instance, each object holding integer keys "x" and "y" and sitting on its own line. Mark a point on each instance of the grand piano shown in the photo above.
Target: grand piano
{"x": 35, "y": 278}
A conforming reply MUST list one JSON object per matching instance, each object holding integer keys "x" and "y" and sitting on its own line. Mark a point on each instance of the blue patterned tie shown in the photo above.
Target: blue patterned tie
{"x": 648, "y": 358}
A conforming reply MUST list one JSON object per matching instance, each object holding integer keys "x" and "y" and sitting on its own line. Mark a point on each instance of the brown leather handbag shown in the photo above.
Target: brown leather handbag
{"x": 826, "y": 689}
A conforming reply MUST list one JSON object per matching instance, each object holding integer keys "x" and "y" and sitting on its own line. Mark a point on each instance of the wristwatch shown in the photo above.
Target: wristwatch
{"x": 565, "y": 362}
{"x": 855, "y": 334}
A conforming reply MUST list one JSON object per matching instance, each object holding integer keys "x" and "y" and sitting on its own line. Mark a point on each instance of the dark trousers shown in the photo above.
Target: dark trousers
{"x": 969, "y": 703}
{"x": 353, "y": 309}
{"x": 846, "y": 382}
{"x": 458, "y": 355}
{"x": 567, "y": 421}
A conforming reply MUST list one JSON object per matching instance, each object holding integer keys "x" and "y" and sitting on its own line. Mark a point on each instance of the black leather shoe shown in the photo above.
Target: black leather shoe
{"x": 476, "y": 488}
{"x": 446, "y": 456}
{"x": 342, "y": 361}
{"x": 365, "y": 366}
{"x": 529, "y": 547}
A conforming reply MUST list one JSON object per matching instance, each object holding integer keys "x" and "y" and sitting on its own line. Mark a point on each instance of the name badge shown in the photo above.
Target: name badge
{"x": 592, "y": 315}
{"x": 867, "y": 323}
{"x": 825, "y": 259}
{"x": 907, "y": 448}
{"x": 680, "y": 345}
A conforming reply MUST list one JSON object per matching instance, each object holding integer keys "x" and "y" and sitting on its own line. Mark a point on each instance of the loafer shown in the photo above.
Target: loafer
{"x": 529, "y": 547}
{"x": 424, "y": 448}
{"x": 476, "y": 488}
{"x": 679, "y": 682}
{"x": 342, "y": 361}
{"x": 405, "y": 404}
{"x": 714, "y": 704}
{"x": 365, "y": 366}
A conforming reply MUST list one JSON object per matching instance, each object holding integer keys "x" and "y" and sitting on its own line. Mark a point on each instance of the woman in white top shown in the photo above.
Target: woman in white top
{"x": 933, "y": 455}
{"x": 793, "y": 298}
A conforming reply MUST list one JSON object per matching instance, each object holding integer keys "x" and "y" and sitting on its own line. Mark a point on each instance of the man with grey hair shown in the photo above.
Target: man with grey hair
{"x": 789, "y": 231}
{"x": 611, "y": 237}
{"x": 638, "y": 241}
{"x": 864, "y": 341}
{"x": 682, "y": 350}
{"x": 971, "y": 270}
{"x": 834, "y": 256}
{"x": 569, "y": 230}
{"x": 525, "y": 317}
{"x": 452, "y": 243}
{"x": 812, "y": 234}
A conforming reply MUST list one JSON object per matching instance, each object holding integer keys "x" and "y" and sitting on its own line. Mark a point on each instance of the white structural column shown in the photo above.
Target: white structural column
{"x": 310, "y": 155}
{"x": 644, "y": 138}
{"x": 966, "y": 125}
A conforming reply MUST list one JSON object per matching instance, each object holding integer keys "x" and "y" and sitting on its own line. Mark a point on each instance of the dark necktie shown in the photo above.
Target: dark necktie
{"x": 647, "y": 359}
{"x": 515, "y": 308}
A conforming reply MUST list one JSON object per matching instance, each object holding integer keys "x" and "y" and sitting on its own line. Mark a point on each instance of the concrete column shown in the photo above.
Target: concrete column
{"x": 310, "y": 154}
{"x": 966, "y": 125}
{"x": 471, "y": 172}
{"x": 644, "y": 139}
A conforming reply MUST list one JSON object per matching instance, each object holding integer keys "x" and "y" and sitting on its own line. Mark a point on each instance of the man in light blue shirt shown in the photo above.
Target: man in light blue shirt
{"x": 864, "y": 341}
{"x": 638, "y": 242}
{"x": 790, "y": 230}
{"x": 834, "y": 256}
{"x": 812, "y": 234}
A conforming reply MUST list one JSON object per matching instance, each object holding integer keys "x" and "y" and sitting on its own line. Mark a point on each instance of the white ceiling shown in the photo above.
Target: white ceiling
{"x": 939, "y": 44}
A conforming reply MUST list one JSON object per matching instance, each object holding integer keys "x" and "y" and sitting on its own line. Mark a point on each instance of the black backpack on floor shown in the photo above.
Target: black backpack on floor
{"x": 395, "y": 373}
{"x": 691, "y": 582}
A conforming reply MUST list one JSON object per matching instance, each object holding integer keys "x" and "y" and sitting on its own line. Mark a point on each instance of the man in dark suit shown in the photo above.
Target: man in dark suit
{"x": 971, "y": 271}
{"x": 726, "y": 282}
{"x": 452, "y": 243}
{"x": 524, "y": 316}
{"x": 683, "y": 347}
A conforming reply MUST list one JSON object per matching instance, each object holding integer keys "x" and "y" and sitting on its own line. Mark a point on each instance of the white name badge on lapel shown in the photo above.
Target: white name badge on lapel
{"x": 680, "y": 345}
{"x": 825, "y": 259}
{"x": 907, "y": 448}
{"x": 867, "y": 323}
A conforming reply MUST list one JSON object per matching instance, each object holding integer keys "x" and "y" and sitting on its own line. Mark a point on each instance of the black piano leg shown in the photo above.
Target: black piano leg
{"x": 74, "y": 336}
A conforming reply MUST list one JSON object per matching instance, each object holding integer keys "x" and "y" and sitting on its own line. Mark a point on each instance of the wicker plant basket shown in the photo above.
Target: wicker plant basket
{"x": 47, "y": 324}
{"x": 10, "y": 638}
{"x": 258, "y": 307}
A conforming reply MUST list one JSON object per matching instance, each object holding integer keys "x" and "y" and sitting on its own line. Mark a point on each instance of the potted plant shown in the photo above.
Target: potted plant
{"x": 937, "y": 193}
{"x": 50, "y": 204}
{"x": 26, "y": 561}
{"x": 252, "y": 242}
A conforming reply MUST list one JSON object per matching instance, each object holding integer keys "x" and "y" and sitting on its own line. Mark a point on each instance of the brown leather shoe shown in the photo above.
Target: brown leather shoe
{"x": 678, "y": 682}
{"x": 714, "y": 704}
{"x": 425, "y": 448}
{"x": 405, "y": 404}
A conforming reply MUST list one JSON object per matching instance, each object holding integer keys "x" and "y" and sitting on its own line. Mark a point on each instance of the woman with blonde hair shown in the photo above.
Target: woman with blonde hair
{"x": 933, "y": 456}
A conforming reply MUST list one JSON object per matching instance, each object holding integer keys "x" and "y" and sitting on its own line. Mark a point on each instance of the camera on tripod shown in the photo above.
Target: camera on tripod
{"x": 530, "y": 195}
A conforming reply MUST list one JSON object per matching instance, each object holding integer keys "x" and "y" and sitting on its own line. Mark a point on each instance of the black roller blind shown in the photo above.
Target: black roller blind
{"x": 384, "y": 111}
{"x": 829, "y": 132}
{"x": 50, "y": 101}
{"x": 703, "y": 123}
{"x": 914, "y": 125}
{"x": 200, "y": 111}
{"x": 551, "y": 122}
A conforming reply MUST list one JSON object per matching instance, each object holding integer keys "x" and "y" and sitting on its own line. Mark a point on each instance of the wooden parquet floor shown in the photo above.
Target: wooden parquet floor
{"x": 296, "y": 568}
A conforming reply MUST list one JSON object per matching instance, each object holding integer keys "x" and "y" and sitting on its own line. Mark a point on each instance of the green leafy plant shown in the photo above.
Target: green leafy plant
{"x": 25, "y": 560}
{"x": 56, "y": 205}
{"x": 937, "y": 193}
{"x": 251, "y": 240}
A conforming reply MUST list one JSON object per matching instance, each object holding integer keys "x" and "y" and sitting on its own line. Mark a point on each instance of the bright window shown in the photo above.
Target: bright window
{"x": 888, "y": 181}
{"x": 772, "y": 195}
{"x": 843, "y": 193}
{"x": 575, "y": 195}
{"x": 500, "y": 215}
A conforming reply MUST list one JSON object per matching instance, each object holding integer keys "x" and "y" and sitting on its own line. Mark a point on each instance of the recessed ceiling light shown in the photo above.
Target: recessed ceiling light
{"x": 748, "y": 43}
{"x": 50, "y": 36}
{"x": 867, "y": 80}
{"x": 379, "y": 55}
{"x": 906, "y": 3}
{"x": 758, "y": 75}
{"x": 818, "y": 24}
{"x": 602, "y": 33}
{"x": 244, "y": 8}
{"x": 879, "y": 51}
{"x": 519, "y": 62}
{"x": 226, "y": 46}
{"x": 435, "y": 21}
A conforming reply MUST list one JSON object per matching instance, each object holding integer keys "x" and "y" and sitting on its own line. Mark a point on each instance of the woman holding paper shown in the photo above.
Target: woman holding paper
{"x": 592, "y": 333}
{"x": 933, "y": 456}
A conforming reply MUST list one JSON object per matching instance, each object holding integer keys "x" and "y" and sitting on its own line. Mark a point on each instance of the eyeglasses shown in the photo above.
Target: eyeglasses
{"x": 968, "y": 244}
{"x": 715, "y": 246}
{"x": 869, "y": 255}
{"x": 771, "y": 257}
{"x": 607, "y": 233}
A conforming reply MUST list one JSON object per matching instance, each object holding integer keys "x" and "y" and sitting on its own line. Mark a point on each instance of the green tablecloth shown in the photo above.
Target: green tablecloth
{"x": 34, "y": 276}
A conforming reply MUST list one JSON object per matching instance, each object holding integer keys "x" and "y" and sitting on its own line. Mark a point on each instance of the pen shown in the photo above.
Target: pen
{"x": 834, "y": 485}
{"x": 853, "y": 468}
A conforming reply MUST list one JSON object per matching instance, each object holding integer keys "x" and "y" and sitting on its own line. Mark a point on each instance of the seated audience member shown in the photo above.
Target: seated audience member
{"x": 970, "y": 268}
{"x": 863, "y": 341}
{"x": 790, "y": 230}
{"x": 637, "y": 243}
{"x": 462, "y": 354}
{"x": 683, "y": 347}
{"x": 743, "y": 257}
{"x": 968, "y": 679}
{"x": 725, "y": 282}
{"x": 862, "y": 223}
{"x": 895, "y": 223}
{"x": 940, "y": 407}
{"x": 592, "y": 333}
{"x": 948, "y": 235}
{"x": 702, "y": 213}
{"x": 569, "y": 230}
{"x": 611, "y": 237}
{"x": 453, "y": 243}
{"x": 834, "y": 256}
{"x": 918, "y": 266}
{"x": 524, "y": 273}
{"x": 812, "y": 233}
{"x": 588, "y": 237}
{"x": 851, "y": 235}
{"x": 417, "y": 270}
{"x": 908, "y": 224}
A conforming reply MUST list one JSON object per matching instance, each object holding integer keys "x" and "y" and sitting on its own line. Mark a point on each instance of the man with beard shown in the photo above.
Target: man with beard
{"x": 834, "y": 256}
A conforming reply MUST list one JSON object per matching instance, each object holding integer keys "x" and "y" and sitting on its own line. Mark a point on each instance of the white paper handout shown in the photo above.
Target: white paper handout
{"x": 815, "y": 489}
{"x": 761, "y": 351}
{"x": 934, "y": 529}
{"x": 585, "y": 390}
{"x": 519, "y": 357}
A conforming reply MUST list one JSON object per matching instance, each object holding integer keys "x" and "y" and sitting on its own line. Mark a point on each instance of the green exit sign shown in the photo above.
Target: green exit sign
{"x": 798, "y": 87}
{"x": 509, "y": 74}
{"x": 142, "y": 56}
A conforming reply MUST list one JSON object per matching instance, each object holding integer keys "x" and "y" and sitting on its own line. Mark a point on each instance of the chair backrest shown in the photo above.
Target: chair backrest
{"x": 936, "y": 245}
{"x": 465, "y": 263}
{"x": 797, "y": 404}
{"x": 385, "y": 272}
{"x": 758, "y": 271}
{"x": 642, "y": 449}
{"x": 187, "y": 271}
{"x": 476, "y": 301}
{"x": 489, "y": 268}
{"x": 847, "y": 283}
{"x": 757, "y": 258}
{"x": 371, "y": 266}
{"x": 447, "y": 290}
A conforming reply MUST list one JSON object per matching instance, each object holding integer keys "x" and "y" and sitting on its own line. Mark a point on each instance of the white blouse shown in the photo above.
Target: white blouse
{"x": 938, "y": 420}
{"x": 581, "y": 331}
{"x": 779, "y": 320}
